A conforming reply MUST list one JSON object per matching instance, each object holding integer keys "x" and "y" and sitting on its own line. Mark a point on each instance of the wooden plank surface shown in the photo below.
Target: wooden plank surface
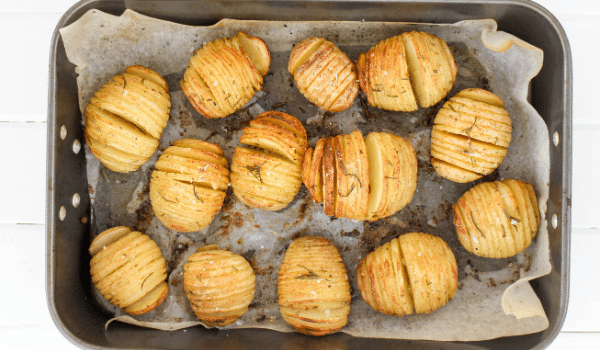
{"x": 25, "y": 31}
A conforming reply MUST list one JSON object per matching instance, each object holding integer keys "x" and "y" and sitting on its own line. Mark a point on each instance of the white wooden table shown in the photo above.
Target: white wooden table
{"x": 25, "y": 31}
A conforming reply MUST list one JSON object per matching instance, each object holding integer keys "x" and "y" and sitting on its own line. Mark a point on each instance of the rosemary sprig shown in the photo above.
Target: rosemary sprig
{"x": 510, "y": 217}
{"x": 347, "y": 173}
{"x": 196, "y": 195}
{"x": 349, "y": 191}
{"x": 255, "y": 171}
{"x": 310, "y": 275}
{"x": 477, "y": 227}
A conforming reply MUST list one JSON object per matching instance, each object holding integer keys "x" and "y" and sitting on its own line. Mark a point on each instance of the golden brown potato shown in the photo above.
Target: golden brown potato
{"x": 128, "y": 270}
{"x": 126, "y": 117}
{"x": 361, "y": 179}
{"x": 470, "y": 136}
{"x": 313, "y": 288}
{"x": 324, "y": 74}
{"x": 415, "y": 272}
{"x": 400, "y": 71}
{"x": 219, "y": 285}
{"x": 188, "y": 187}
{"x": 497, "y": 219}
{"x": 269, "y": 175}
{"x": 224, "y": 74}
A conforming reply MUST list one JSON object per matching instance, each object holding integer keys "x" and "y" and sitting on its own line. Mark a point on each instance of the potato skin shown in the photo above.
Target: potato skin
{"x": 219, "y": 284}
{"x": 313, "y": 288}
{"x": 414, "y": 273}
{"x": 497, "y": 219}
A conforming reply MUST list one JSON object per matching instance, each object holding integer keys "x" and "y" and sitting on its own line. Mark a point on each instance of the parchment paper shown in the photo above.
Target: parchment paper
{"x": 494, "y": 298}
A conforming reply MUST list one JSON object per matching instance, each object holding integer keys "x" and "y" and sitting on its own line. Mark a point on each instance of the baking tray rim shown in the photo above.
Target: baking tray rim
{"x": 564, "y": 221}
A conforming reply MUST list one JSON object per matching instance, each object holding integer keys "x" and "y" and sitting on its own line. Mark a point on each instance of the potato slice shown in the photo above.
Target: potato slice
{"x": 106, "y": 238}
{"x": 314, "y": 172}
{"x": 150, "y": 301}
{"x": 395, "y": 178}
{"x": 409, "y": 167}
{"x": 351, "y": 169}
{"x": 266, "y": 168}
{"x": 276, "y": 141}
{"x": 255, "y": 200}
{"x": 288, "y": 122}
{"x": 256, "y": 49}
{"x": 251, "y": 185}
{"x": 453, "y": 172}
{"x": 329, "y": 177}
{"x": 220, "y": 285}
{"x": 497, "y": 219}
{"x": 378, "y": 171}
{"x": 312, "y": 287}
{"x": 303, "y": 52}
{"x": 415, "y": 272}
{"x": 384, "y": 78}
{"x": 306, "y": 166}
{"x": 483, "y": 96}
{"x": 114, "y": 159}
{"x": 362, "y": 175}
{"x": 430, "y": 81}
{"x": 289, "y": 143}
{"x": 341, "y": 178}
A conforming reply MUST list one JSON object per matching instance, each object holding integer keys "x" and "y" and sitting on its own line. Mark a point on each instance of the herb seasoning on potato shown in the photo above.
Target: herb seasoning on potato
{"x": 313, "y": 288}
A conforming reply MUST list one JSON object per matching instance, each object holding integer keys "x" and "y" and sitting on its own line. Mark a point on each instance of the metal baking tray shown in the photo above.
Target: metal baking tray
{"x": 68, "y": 286}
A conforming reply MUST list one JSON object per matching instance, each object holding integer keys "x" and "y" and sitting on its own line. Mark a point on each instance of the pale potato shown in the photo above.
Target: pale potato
{"x": 125, "y": 118}
{"x": 313, "y": 288}
{"x": 220, "y": 285}
{"x": 324, "y": 74}
{"x": 188, "y": 187}
{"x": 470, "y": 136}
{"x": 224, "y": 74}
{"x": 269, "y": 175}
{"x": 414, "y": 273}
{"x": 406, "y": 71}
{"x": 497, "y": 219}
{"x": 128, "y": 270}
